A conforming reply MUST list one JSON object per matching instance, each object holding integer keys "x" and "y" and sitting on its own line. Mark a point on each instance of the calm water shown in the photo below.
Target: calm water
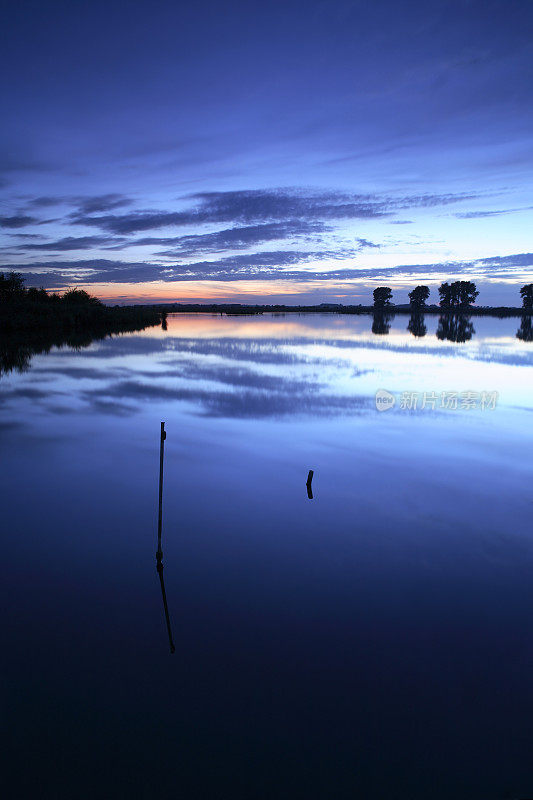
{"x": 373, "y": 642}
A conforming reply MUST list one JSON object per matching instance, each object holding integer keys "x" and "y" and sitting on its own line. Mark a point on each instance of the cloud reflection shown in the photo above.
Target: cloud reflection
{"x": 291, "y": 398}
{"x": 263, "y": 368}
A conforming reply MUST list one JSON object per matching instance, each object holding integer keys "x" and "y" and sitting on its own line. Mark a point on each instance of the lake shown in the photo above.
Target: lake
{"x": 375, "y": 641}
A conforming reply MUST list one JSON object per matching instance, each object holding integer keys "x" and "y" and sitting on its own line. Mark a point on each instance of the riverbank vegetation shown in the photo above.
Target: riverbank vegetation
{"x": 24, "y": 310}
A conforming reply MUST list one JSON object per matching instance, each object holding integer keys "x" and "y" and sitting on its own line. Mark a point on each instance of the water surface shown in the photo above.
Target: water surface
{"x": 375, "y": 641}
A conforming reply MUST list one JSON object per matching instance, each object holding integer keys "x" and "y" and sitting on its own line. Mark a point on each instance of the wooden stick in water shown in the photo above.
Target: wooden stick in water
{"x": 308, "y": 484}
{"x": 159, "y": 553}
{"x": 161, "y": 457}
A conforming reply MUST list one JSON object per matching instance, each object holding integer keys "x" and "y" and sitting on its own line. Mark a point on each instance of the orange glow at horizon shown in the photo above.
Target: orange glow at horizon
{"x": 352, "y": 291}
{"x": 217, "y": 291}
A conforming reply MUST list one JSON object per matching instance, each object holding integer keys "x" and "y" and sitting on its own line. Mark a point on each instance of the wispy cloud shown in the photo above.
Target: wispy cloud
{"x": 238, "y": 238}
{"x": 103, "y": 202}
{"x": 267, "y": 266}
{"x": 44, "y": 201}
{"x": 71, "y": 243}
{"x": 252, "y": 207}
{"x": 495, "y": 213}
{"x": 18, "y": 221}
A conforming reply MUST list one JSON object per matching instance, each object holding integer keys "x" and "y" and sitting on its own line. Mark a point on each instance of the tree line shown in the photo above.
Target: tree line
{"x": 457, "y": 296}
{"x": 13, "y": 290}
{"x": 30, "y": 309}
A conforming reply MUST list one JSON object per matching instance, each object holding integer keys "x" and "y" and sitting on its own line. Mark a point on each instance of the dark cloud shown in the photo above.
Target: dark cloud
{"x": 237, "y": 238}
{"x": 103, "y": 202}
{"x": 432, "y": 200}
{"x": 39, "y": 236}
{"x": 60, "y": 273}
{"x": 59, "y": 410}
{"x": 252, "y": 265}
{"x": 253, "y": 207}
{"x": 517, "y": 260}
{"x": 71, "y": 243}
{"x": 10, "y": 427}
{"x": 85, "y": 204}
{"x": 17, "y": 221}
{"x": 45, "y": 202}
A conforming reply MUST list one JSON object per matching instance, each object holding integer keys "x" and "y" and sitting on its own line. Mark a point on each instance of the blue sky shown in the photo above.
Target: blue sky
{"x": 280, "y": 152}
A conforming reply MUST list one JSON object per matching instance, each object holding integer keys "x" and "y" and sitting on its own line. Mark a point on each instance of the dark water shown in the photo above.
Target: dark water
{"x": 374, "y": 642}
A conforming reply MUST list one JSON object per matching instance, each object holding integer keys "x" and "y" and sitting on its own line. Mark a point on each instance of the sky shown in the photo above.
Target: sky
{"x": 293, "y": 152}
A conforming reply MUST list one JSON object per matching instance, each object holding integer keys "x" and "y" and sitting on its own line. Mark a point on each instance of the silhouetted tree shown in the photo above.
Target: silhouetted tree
{"x": 459, "y": 294}
{"x": 445, "y": 294}
{"x": 381, "y": 323}
{"x": 418, "y": 296}
{"x": 525, "y": 331}
{"x": 455, "y": 328}
{"x": 80, "y": 297}
{"x": 11, "y": 286}
{"x": 467, "y": 293}
{"x": 382, "y": 297}
{"x": 526, "y": 293}
{"x": 38, "y": 295}
{"x": 417, "y": 325}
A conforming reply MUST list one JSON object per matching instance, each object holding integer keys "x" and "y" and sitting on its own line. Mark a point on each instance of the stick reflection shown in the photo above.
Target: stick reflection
{"x": 159, "y": 559}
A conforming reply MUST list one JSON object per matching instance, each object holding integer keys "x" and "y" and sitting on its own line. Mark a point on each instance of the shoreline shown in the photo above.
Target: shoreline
{"x": 17, "y": 317}
{"x": 238, "y": 309}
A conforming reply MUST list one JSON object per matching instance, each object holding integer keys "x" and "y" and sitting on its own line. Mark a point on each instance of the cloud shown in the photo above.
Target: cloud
{"x": 102, "y": 202}
{"x": 496, "y": 213}
{"x": 70, "y": 243}
{"x": 85, "y": 204}
{"x": 252, "y": 207}
{"x": 17, "y": 221}
{"x": 478, "y": 214}
{"x": 39, "y": 236}
{"x": 517, "y": 260}
{"x": 272, "y": 266}
{"x": 237, "y": 238}
{"x": 253, "y": 264}
{"x": 45, "y": 201}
